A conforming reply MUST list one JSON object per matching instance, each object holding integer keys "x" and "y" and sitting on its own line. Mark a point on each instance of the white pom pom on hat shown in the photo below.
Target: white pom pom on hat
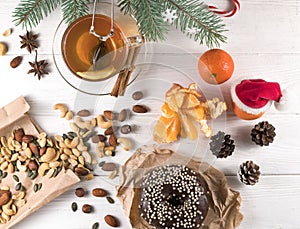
{"x": 287, "y": 101}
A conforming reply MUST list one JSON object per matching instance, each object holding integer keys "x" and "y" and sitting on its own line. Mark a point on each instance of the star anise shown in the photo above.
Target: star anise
{"x": 38, "y": 67}
{"x": 29, "y": 41}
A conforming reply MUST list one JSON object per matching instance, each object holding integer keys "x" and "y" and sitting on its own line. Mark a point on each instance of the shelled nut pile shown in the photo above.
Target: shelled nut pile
{"x": 9, "y": 203}
{"x": 107, "y": 142}
{"x": 41, "y": 155}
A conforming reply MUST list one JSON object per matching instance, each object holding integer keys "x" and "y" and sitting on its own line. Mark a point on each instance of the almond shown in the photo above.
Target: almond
{"x": 19, "y": 134}
{"x": 112, "y": 140}
{"x": 139, "y": 109}
{"x": 5, "y": 196}
{"x": 109, "y": 115}
{"x": 15, "y": 62}
{"x": 27, "y": 138}
{"x": 34, "y": 148}
{"x": 84, "y": 113}
{"x": 111, "y": 221}
{"x": 102, "y": 138}
{"x": 99, "y": 192}
{"x": 43, "y": 150}
{"x": 109, "y": 166}
{"x": 122, "y": 115}
{"x": 99, "y": 138}
{"x": 109, "y": 131}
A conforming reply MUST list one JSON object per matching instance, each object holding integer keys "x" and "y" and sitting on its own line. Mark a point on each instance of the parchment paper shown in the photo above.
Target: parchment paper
{"x": 13, "y": 116}
{"x": 224, "y": 202}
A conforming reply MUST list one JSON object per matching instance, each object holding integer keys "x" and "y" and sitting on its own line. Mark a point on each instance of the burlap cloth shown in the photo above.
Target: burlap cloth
{"x": 224, "y": 202}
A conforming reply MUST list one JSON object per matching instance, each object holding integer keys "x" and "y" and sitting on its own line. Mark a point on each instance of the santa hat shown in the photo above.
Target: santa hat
{"x": 256, "y": 93}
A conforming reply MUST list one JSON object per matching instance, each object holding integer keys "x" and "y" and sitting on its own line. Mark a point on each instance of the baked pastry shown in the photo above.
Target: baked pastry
{"x": 173, "y": 196}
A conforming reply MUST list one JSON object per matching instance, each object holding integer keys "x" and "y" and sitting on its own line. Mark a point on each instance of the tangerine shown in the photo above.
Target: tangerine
{"x": 215, "y": 66}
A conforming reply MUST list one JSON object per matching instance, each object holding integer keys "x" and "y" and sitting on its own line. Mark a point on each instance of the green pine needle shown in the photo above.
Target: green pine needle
{"x": 29, "y": 13}
{"x": 73, "y": 9}
{"x": 191, "y": 14}
{"x": 126, "y": 6}
{"x": 149, "y": 17}
{"x": 195, "y": 15}
{"x": 148, "y": 14}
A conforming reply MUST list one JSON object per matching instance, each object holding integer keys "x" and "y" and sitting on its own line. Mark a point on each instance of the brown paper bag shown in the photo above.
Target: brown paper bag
{"x": 224, "y": 208}
{"x": 12, "y": 116}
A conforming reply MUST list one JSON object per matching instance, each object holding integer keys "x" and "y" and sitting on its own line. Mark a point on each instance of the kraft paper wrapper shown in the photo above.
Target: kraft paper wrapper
{"x": 224, "y": 202}
{"x": 13, "y": 116}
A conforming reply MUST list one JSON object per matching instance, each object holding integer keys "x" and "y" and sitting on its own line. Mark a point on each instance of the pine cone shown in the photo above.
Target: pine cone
{"x": 263, "y": 133}
{"x": 221, "y": 145}
{"x": 249, "y": 173}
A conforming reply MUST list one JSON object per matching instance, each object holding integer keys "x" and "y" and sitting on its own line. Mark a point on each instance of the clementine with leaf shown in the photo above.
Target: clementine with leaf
{"x": 215, "y": 66}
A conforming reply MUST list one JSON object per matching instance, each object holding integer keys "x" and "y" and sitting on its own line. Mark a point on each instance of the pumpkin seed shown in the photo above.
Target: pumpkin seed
{"x": 95, "y": 225}
{"x": 40, "y": 186}
{"x": 33, "y": 175}
{"x": 29, "y": 173}
{"x": 110, "y": 200}
{"x": 4, "y": 175}
{"x": 35, "y": 187}
{"x": 74, "y": 206}
{"x": 18, "y": 186}
{"x": 16, "y": 178}
{"x": 101, "y": 164}
{"x": 88, "y": 166}
{"x": 1, "y": 173}
{"x": 72, "y": 134}
{"x": 65, "y": 136}
{"x": 83, "y": 131}
{"x": 57, "y": 171}
{"x": 22, "y": 188}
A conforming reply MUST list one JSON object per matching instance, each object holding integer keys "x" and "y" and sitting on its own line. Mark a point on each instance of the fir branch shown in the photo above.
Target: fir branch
{"x": 73, "y": 9}
{"x": 126, "y": 6}
{"x": 191, "y": 14}
{"x": 196, "y": 15}
{"x": 148, "y": 14}
{"x": 29, "y": 13}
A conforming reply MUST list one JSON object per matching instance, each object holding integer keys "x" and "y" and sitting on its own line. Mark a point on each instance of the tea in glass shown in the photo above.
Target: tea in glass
{"x": 79, "y": 47}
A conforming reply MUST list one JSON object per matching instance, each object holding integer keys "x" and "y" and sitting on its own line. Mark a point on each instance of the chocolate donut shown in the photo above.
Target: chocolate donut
{"x": 173, "y": 196}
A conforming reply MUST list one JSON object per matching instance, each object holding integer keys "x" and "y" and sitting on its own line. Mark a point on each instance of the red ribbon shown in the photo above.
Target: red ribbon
{"x": 228, "y": 13}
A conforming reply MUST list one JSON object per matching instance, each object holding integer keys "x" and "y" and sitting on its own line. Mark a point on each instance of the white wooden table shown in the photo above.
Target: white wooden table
{"x": 264, "y": 42}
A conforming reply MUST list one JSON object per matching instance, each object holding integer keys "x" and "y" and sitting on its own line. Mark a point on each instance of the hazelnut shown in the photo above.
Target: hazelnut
{"x": 80, "y": 171}
{"x": 86, "y": 208}
{"x": 32, "y": 165}
{"x": 137, "y": 95}
{"x": 80, "y": 192}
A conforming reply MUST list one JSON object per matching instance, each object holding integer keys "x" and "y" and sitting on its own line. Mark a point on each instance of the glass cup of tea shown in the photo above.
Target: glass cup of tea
{"x": 93, "y": 59}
